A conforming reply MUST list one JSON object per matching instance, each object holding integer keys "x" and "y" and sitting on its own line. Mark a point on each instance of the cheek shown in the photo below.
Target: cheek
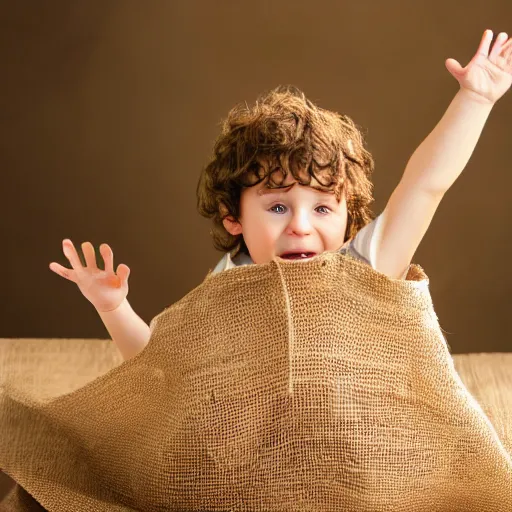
{"x": 257, "y": 229}
{"x": 337, "y": 228}
{"x": 264, "y": 233}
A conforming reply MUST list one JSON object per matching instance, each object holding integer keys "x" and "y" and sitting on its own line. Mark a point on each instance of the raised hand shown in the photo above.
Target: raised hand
{"x": 105, "y": 289}
{"x": 489, "y": 73}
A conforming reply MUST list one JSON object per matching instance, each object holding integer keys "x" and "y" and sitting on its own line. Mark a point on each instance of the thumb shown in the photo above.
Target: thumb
{"x": 123, "y": 271}
{"x": 453, "y": 67}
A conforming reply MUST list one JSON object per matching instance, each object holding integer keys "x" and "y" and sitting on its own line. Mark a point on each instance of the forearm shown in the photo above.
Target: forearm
{"x": 442, "y": 156}
{"x": 128, "y": 331}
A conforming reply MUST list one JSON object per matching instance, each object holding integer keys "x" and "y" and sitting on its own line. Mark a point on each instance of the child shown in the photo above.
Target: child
{"x": 291, "y": 180}
{"x": 278, "y": 397}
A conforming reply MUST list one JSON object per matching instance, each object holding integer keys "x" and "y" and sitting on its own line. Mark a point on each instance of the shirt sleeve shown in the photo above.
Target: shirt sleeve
{"x": 366, "y": 242}
{"x": 227, "y": 262}
{"x": 222, "y": 265}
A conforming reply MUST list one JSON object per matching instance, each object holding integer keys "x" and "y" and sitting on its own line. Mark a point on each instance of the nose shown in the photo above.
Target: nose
{"x": 300, "y": 222}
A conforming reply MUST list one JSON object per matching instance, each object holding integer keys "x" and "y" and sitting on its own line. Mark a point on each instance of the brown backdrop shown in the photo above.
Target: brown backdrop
{"x": 110, "y": 109}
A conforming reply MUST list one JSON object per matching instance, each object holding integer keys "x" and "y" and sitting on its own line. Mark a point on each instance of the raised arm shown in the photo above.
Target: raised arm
{"x": 106, "y": 290}
{"x": 442, "y": 156}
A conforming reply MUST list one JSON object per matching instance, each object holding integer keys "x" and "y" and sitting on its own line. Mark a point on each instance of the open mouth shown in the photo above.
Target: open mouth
{"x": 298, "y": 256}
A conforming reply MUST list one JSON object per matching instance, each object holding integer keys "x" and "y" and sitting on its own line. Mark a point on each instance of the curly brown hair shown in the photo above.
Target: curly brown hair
{"x": 284, "y": 132}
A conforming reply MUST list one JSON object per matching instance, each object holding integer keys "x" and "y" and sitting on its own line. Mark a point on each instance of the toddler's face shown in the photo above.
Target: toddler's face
{"x": 298, "y": 219}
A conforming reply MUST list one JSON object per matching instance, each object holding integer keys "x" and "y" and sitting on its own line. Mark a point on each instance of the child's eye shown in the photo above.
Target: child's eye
{"x": 276, "y": 206}
{"x": 282, "y": 206}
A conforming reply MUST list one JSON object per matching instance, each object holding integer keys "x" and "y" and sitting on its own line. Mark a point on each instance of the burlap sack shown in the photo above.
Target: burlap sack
{"x": 317, "y": 385}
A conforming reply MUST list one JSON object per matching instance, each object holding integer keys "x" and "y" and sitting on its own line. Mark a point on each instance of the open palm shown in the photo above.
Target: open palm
{"x": 489, "y": 73}
{"x": 105, "y": 289}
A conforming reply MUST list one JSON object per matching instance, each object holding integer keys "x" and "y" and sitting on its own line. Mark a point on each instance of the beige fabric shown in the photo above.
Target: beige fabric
{"x": 319, "y": 385}
{"x": 488, "y": 377}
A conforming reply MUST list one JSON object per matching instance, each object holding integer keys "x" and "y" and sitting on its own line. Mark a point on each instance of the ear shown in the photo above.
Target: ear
{"x": 232, "y": 226}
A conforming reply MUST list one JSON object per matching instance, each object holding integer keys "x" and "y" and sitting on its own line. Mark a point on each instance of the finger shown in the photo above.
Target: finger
{"x": 63, "y": 271}
{"x": 123, "y": 271}
{"x": 506, "y": 49}
{"x": 509, "y": 61}
{"x": 485, "y": 43}
{"x": 89, "y": 255}
{"x": 496, "y": 49}
{"x": 71, "y": 254}
{"x": 453, "y": 67}
{"x": 108, "y": 257}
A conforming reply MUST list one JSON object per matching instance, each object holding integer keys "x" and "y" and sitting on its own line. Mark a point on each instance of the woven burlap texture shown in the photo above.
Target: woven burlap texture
{"x": 317, "y": 385}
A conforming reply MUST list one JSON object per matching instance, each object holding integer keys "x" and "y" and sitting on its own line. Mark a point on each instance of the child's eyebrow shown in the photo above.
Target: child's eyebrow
{"x": 264, "y": 191}
{"x": 277, "y": 191}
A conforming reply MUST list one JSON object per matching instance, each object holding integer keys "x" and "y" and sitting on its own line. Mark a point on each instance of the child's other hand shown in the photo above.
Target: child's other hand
{"x": 489, "y": 74}
{"x": 105, "y": 289}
